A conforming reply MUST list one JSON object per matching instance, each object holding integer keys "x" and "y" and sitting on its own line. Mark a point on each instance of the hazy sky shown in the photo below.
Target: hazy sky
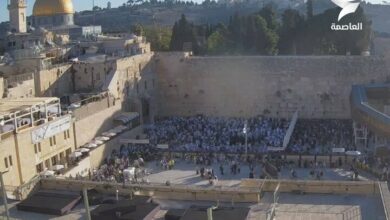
{"x": 82, "y": 5}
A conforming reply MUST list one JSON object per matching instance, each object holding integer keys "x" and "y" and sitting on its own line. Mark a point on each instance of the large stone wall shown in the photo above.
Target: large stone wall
{"x": 118, "y": 75}
{"x": 94, "y": 125}
{"x": 55, "y": 81}
{"x": 316, "y": 86}
{"x": 130, "y": 79}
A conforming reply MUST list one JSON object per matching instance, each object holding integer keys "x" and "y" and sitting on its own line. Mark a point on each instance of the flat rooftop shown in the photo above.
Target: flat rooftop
{"x": 290, "y": 207}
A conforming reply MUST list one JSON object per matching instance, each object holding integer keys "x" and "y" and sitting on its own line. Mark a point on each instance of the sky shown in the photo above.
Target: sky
{"x": 80, "y": 5}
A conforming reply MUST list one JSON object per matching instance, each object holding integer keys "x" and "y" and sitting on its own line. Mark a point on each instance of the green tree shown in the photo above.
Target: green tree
{"x": 159, "y": 37}
{"x": 266, "y": 39}
{"x": 292, "y": 26}
{"x": 269, "y": 14}
{"x": 216, "y": 43}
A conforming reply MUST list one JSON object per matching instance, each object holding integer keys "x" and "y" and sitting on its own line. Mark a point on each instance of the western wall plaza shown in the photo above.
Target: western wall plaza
{"x": 194, "y": 110}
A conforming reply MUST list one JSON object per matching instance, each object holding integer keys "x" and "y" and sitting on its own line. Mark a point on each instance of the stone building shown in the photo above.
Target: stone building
{"x": 34, "y": 136}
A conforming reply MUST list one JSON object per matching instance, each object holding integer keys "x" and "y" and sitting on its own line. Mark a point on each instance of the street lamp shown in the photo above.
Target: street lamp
{"x": 245, "y": 131}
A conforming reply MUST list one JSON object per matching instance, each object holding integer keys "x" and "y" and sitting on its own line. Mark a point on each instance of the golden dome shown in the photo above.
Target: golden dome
{"x": 52, "y": 7}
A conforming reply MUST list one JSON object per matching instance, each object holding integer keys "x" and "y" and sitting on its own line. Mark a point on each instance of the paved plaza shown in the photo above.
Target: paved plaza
{"x": 185, "y": 173}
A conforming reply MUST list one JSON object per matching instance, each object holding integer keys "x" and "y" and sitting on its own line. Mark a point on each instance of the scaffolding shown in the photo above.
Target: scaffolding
{"x": 360, "y": 132}
{"x": 17, "y": 114}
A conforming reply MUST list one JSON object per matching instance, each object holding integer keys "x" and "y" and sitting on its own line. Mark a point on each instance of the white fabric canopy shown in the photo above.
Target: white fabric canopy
{"x": 47, "y": 173}
{"x": 58, "y": 167}
{"x": 84, "y": 150}
{"x": 76, "y": 154}
{"x": 90, "y": 145}
{"x": 109, "y": 134}
{"x": 97, "y": 142}
{"x": 101, "y": 138}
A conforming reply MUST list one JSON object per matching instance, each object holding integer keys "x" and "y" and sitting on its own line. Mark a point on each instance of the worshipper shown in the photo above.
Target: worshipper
{"x": 251, "y": 174}
{"x": 221, "y": 169}
{"x": 215, "y": 134}
{"x": 312, "y": 136}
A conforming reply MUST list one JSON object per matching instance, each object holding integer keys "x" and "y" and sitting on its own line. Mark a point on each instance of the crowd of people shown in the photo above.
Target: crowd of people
{"x": 113, "y": 166}
{"x": 208, "y": 135}
{"x": 319, "y": 136}
{"x": 216, "y": 134}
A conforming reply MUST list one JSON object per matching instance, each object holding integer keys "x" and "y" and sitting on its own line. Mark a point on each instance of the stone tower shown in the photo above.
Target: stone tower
{"x": 17, "y": 16}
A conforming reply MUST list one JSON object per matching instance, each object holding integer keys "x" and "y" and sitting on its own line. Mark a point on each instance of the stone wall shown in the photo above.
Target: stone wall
{"x": 94, "y": 125}
{"x": 19, "y": 85}
{"x": 55, "y": 81}
{"x": 130, "y": 79}
{"x": 316, "y": 86}
{"x": 118, "y": 75}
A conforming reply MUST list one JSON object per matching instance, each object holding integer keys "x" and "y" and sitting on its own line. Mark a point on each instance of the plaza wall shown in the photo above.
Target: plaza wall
{"x": 316, "y": 86}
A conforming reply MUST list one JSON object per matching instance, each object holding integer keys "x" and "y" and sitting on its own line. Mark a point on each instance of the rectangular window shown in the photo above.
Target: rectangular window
{"x": 54, "y": 160}
{"x": 39, "y": 147}
{"x": 39, "y": 168}
{"x": 10, "y": 160}
{"x": 65, "y": 135}
{"x": 6, "y": 162}
{"x": 68, "y": 133}
{"x": 35, "y": 148}
{"x": 54, "y": 140}
{"x": 51, "y": 141}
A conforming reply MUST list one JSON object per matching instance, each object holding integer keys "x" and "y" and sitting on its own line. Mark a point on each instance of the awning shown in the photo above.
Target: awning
{"x": 58, "y": 167}
{"x": 83, "y": 150}
{"x": 126, "y": 117}
{"x": 108, "y": 134}
{"x": 90, "y": 145}
{"x": 97, "y": 142}
{"x": 119, "y": 129}
{"x": 76, "y": 154}
{"x": 101, "y": 138}
{"x": 47, "y": 173}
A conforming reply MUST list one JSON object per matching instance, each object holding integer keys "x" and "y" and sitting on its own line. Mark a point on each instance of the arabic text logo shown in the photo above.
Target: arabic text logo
{"x": 348, "y": 6}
